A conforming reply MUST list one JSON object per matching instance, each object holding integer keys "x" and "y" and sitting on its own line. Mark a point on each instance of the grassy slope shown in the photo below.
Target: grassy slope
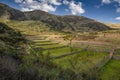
{"x": 111, "y": 71}
{"x": 58, "y": 52}
{"x": 116, "y": 26}
{"x": 10, "y": 39}
{"x": 15, "y": 65}
{"x": 12, "y": 47}
{"x": 82, "y": 61}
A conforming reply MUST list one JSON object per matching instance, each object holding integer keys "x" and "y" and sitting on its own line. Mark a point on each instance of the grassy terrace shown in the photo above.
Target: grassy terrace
{"x": 60, "y": 51}
{"x": 111, "y": 71}
{"x": 43, "y": 44}
{"x": 55, "y": 49}
{"x": 41, "y": 41}
{"x": 78, "y": 62}
{"x": 57, "y": 52}
{"x": 49, "y": 46}
{"x": 82, "y": 61}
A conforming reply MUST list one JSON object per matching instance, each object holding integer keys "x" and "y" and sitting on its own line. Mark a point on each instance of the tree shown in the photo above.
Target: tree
{"x": 70, "y": 38}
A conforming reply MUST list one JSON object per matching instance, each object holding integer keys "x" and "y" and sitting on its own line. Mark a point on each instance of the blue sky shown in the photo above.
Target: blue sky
{"x": 101, "y": 10}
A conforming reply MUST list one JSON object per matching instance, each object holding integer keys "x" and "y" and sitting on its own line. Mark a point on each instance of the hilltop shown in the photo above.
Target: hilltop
{"x": 67, "y": 23}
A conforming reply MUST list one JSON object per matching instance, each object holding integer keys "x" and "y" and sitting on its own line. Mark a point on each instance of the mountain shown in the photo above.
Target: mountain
{"x": 10, "y": 13}
{"x": 113, "y": 25}
{"x": 67, "y": 23}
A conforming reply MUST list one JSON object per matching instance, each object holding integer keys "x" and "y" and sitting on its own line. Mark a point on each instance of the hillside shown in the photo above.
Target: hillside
{"x": 9, "y": 39}
{"x": 10, "y": 13}
{"x": 61, "y": 23}
{"x": 11, "y": 48}
{"x": 113, "y": 25}
{"x": 47, "y": 58}
{"x": 19, "y": 62}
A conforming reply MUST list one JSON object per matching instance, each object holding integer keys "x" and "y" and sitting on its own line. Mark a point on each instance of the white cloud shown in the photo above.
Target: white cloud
{"x": 117, "y": 18}
{"x": 66, "y": 2}
{"x": 50, "y": 5}
{"x": 111, "y": 1}
{"x": 18, "y": 1}
{"x": 47, "y": 8}
{"x": 45, "y": 5}
{"x": 118, "y": 10}
{"x": 76, "y": 8}
{"x": 29, "y": 1}
{"x": 117, "y": 1}
{"x": 26, "y": 9}
{"x": 55, "y": 2}
{"x": 106, "y": 1}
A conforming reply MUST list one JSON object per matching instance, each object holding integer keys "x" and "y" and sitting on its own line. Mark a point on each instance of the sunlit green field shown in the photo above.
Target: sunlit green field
{"x": 111, "y": 71}
{"x": 81, "y": 61}
{"x": 58, "y": 52}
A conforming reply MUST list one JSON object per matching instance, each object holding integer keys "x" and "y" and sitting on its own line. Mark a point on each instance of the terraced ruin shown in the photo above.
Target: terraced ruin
{"x": 87, "y": 58}
{"x": 77, "y": 59}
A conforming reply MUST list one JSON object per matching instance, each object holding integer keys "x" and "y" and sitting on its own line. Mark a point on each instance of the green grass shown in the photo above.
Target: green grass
{"x": 58, "y": 52}
{"x": 45, "y": 43}
{"x": 111, "y": 71}
{"x": 81, "y": 62}
{"x": 51, "y": 46}
{"x": 41, "y": 41}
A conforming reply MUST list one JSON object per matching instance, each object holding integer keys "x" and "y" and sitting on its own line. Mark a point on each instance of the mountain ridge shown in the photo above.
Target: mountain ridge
{"x": 67, "y": 23}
